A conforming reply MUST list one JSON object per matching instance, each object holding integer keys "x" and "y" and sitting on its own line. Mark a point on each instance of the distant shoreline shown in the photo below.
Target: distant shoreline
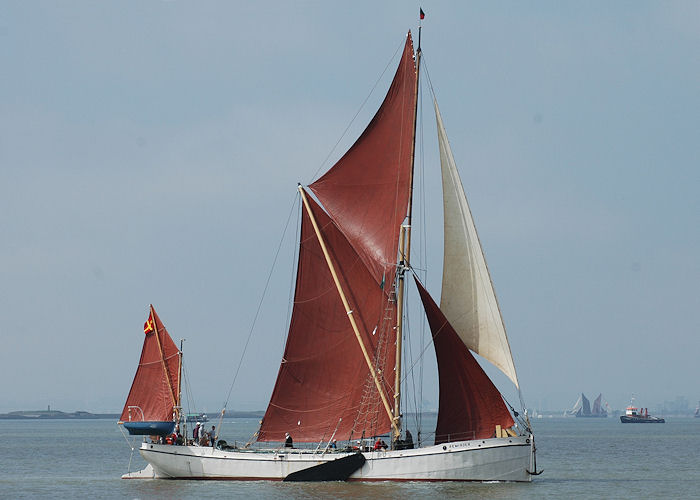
{"x": 54, "y": 415}
{"x": 85, "y": 415}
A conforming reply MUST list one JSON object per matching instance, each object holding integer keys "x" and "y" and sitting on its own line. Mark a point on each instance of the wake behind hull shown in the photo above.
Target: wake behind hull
{"x": 496, "y": 459}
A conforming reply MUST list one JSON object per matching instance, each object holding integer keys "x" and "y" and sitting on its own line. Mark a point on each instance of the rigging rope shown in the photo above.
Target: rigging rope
{"x": 423, "y": 255}
{"x": 370, "y": 404}
{"x": 257, "y": 312}
{"x": 323, "y": 163}
{"x": 422, "y": 260}
{"x": 409, "y": 347}
{"x": 520, "y": 395}
{"x": 292, "y": 277}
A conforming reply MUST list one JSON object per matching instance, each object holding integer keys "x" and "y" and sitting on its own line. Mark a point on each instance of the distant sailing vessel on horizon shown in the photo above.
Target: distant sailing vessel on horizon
{"x": 339, "y": 384}
{"x": 582, "y": 408}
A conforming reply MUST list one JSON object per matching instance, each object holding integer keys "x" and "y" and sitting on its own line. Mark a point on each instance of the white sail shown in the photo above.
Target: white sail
{"x": 468, "y": 299}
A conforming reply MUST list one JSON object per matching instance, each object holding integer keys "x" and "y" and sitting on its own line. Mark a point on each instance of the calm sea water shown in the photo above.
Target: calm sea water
{"x": 598, "y": 458}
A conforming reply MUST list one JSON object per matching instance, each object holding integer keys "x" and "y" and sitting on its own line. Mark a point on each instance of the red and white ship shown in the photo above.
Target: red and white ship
{"x": 634, "y": 415}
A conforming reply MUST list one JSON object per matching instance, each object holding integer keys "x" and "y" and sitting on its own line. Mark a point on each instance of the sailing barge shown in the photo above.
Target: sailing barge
{"x": 582, "y": 408}
{"x": 341, "y": 372}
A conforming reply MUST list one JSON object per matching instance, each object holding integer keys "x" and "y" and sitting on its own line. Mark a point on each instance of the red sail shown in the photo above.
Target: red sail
{"x": 366, "y": 192}
{"x": 470, "y": 405}
{"x": 155, "y": 389}
{"x": 324, "y": 387}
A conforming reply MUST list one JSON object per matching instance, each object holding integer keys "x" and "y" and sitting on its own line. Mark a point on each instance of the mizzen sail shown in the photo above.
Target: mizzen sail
{"x": 468, "y": 299}
{"x": 154, "y": 393}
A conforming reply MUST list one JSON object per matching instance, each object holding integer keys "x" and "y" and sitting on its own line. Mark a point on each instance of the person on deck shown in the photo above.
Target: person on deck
{"x": 212, "y": 436}
{"x": 178, "y": 436}
{"x": 288, "y": 443}
{"x": 409, "y": 440}
{"x": 195, "y": 433}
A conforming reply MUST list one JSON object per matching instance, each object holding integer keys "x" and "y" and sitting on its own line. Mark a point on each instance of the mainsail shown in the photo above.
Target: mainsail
{"x": 324, "y": 387}
{"x": 470, "y": 405}
{"x": 468, "y": 299}
{"x": 154, "y": 394}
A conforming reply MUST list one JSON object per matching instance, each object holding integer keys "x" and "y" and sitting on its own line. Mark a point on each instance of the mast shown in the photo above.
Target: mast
{"x": 179, "y": 380}
{"x": 162, "y": 361}
{"x": 405, "y": 256}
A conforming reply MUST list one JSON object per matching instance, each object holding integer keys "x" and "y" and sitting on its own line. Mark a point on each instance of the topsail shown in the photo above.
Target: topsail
{"x": 324, "y": 387}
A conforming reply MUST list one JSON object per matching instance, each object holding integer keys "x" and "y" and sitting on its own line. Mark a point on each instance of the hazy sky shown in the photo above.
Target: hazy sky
{"x": 149, "y": 153}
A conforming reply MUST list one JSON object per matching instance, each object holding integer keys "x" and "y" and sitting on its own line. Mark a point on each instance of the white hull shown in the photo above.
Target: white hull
{"x": 495, "y": 459}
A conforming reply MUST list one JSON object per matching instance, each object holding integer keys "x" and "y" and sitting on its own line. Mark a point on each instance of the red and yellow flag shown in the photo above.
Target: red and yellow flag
{"x": 148, "y": 325}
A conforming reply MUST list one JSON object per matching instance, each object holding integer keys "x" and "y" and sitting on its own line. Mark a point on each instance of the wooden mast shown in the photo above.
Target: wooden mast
{"x": 179, "y": 381}
{"x": 347, "y": 309}
{"x": 162, "y": 360}
{"x": 405, "y": 257}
